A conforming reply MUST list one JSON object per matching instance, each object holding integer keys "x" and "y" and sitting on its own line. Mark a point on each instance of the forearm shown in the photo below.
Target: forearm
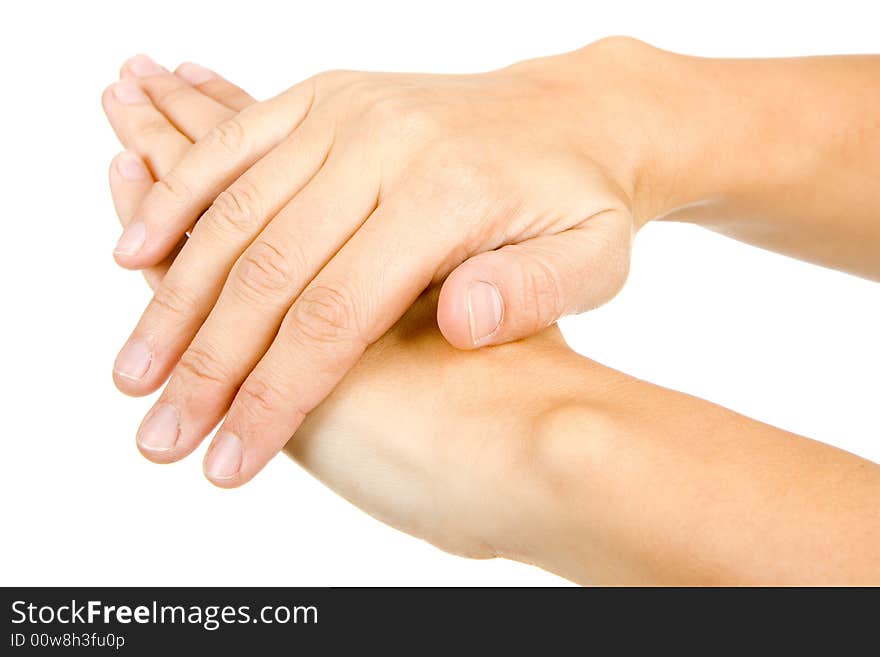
{"x": 780, "y": 153}
{"x": 532, "y": 452}
{"x": 653, "y": 486}
{"x": 661, "y": 487}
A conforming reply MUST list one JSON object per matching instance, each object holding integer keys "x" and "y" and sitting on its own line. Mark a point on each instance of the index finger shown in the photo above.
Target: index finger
{"x": 214, "y": 86}
{"x": 350, "y": 304}
{"x": 209, "y": 167}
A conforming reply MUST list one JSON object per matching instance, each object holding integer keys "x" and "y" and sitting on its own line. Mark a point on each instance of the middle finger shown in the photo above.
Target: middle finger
{"x": 188, "y": 292}
{"x": 263, "y": 284}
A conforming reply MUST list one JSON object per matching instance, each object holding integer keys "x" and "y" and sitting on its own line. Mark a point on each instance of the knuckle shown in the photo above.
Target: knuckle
{"x": 258, "y": 395}
{"x": 330, "y": 80}
{"x": 416, "y": 118}
{"x": 542, "y": 293}
{"x": 263, "y": 272}
{"x": 201, "y": 364}
{"x": 237, "y": 208}
{"x": 346, "y": 90}
{"x": 391, "y": 113}
{"x": 174, "y": 300}
{"x": 616, "y": 45}
{"x": 360, "y": 85}
{"x": 173, "y": 186}
{"x": 228, "y": 136}
{"x": 325, "y": 314}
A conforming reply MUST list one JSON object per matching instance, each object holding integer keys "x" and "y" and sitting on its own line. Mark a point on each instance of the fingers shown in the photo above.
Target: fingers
{"x": 130, "y": 180}
{"x": 186, "y": 108}
{"x": 142, "y": 128}
{"x": 192, "y": 285}
{"x": 514, "y": 292}
{"x": 264, "y": 282}
{"x": 213, "y": 86}
{"x": 210, "y": 166}
{"x": 367, "y": 286}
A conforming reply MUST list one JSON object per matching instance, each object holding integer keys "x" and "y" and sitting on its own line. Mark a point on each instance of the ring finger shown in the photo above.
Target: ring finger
{"x": 261, "y": 287}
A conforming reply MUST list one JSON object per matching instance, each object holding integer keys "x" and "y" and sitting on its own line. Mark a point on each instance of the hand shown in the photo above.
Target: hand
{"x": 347, "y": 442}
{"x": 595, "y": 475}
{"x": 571, "y": 465}
{"x": 334, "y": 205}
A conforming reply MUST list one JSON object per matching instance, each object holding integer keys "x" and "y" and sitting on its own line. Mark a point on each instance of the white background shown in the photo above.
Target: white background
{"x": 785, "y": 342}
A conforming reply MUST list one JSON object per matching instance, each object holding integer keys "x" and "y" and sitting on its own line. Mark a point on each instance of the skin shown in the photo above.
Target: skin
{"x": 325, "y": 212}
{"x": 570, "y": 465}
{"x": 448, "y": 149}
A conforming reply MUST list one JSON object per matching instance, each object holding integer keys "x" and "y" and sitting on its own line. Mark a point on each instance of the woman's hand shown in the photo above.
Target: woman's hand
{"x": 570, "y": 465}
{"x": 336, "y": 204}
{"x": 418, "y": 475}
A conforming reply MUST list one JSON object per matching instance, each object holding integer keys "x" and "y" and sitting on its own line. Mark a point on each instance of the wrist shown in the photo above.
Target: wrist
{"x": 736, "y": 140}
{"x": 613, "y": 95}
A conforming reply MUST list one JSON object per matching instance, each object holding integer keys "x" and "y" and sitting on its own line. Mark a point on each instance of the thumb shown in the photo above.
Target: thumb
{"x": 517, "y": 290}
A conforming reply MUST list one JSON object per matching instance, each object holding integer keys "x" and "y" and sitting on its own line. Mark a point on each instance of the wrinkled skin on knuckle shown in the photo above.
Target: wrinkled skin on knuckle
{"x": 237, "y": 209}
{"x": 542, "y": 293}
{"x": 174, "y": 301}
{"x": 259, "y": 397}
{"x": 324, "y": 315}
{"x": 174, "y": 187}
{"x": 200, "y": 365}
{"x": 263, "y": 272}
{"x": 228, "y": 137}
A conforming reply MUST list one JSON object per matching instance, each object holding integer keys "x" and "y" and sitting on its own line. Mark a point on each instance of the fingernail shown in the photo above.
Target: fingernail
{"x": 224, "y": 459}
{"x": 484, "y": 310}
{"x": 132, "y": 239}
{"x": 193, "y": 73}
{"x": 142, "y": 66}
{"x": 128, "y": 92}
{"x": 134, "y": 360}
{"x": 160, "y": 429}
{"x": 131, "y": 167}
